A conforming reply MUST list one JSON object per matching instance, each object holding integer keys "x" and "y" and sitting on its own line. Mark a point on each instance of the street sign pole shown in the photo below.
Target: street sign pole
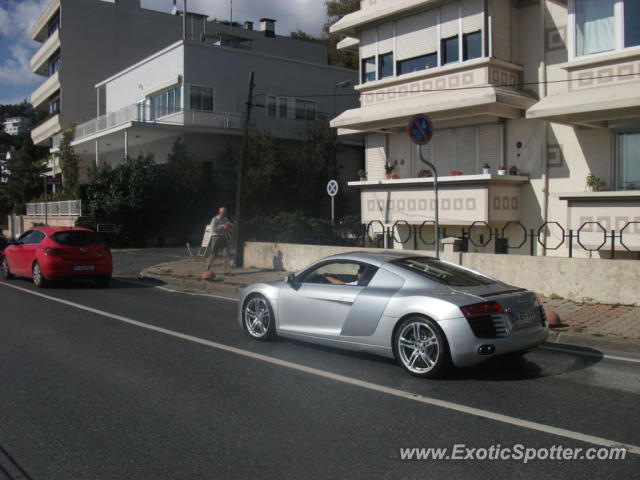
{"x": 332, "y": 191}
{"x": 333, "y": 211}
{"x": 46, "y": 205}
{"x": 435, "y": 191}
{"x": 420, "y": 131}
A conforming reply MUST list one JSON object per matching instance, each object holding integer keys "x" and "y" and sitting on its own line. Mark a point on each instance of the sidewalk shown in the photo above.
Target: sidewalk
{"x": 611, "y": 327}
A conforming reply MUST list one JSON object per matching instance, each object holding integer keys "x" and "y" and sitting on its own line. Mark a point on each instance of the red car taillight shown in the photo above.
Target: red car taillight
{"x": 54, "y": 252}
{"x": 104, "y": 251}
{"x": 482, "y": 309}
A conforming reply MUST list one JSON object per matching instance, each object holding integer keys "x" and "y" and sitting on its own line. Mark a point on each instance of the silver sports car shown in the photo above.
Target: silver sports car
{"x": 422, "y": 311}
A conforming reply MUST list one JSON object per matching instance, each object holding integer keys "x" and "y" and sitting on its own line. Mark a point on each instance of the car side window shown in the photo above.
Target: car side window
{"x": 22, "y": 239}
{"x": 34, "y": 238}
{"x": 340, "y": 273}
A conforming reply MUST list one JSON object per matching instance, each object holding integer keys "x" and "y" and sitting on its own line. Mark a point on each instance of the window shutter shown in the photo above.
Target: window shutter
{"x": 491, "y": 145}
{"x": 472, "y": 16}
{"x": 368, "y": 43}
{"x": 416, "y": 35}
{"x": 466, "y": 150}
{"x": 375, "y": 156}
{"x": 385, "y": 38}
{"x": 449, "y": 20}
{"x": 443, "y": 151}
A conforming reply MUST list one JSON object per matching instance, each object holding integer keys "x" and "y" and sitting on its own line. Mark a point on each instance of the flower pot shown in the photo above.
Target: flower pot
{"x": 486, "y": 171}
{"x": 363, "y": 179}
{"x": 590, "y": 187}
{"x": 389, "y": 176}
{"x": 502, "y": 171}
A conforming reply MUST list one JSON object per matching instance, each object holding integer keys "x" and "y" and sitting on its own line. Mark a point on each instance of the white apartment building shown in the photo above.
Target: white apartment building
{"x": 85, "y": 41}
{"x": 549, "y": 89}
{"x": 15, "y": 125}
{"x": 196, "y": 91}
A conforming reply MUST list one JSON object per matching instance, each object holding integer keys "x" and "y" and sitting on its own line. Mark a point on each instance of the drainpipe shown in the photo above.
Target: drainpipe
{"x": 545, "y": 135}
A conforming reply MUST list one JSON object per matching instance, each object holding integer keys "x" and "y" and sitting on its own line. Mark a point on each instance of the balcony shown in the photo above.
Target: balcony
{"x": 39, "y": 29}
{"x": 436, "y": 92}
{"x": 42, "y": 132}
{"x": 39, "y": 61}
{"x": 595, "y": 214}
{"x": 462, "y": 199}
{"x": 41, "y": 94}
{"x": 604, "y": 88}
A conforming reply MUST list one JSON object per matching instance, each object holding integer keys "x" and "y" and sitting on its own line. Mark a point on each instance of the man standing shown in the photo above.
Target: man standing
{"x": 220, "y": 226}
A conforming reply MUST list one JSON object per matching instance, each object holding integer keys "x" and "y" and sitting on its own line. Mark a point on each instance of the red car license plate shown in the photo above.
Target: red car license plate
{"x": 84, "y": 268}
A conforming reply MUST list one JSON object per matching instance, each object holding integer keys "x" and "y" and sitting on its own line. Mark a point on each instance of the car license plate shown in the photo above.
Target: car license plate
{"x": 526, "y": 318}
{"x": 84, "y": 268}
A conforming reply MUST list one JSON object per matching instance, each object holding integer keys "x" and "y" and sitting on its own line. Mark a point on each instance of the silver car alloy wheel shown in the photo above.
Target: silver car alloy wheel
{"x": 418, "y": 347}
{"x": 38, "y": 277}
{"x": 257, "y": 317}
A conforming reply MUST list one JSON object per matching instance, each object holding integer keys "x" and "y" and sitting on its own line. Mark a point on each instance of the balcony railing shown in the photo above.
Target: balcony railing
{"x": 158, "y": 115}
{"x": 64, "y": 208}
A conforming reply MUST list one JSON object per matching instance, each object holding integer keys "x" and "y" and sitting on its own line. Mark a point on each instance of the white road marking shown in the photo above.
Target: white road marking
{"x": 498, "y": 417}
{"x": 173, "y": 290}
{"x": 590, "y": 354}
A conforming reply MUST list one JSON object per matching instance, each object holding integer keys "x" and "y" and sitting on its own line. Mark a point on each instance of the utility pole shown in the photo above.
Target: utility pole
{"x": 241, "y": 166}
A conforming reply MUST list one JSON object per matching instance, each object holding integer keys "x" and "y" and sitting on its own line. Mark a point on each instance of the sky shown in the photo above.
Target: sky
{"x": 16, "y": 17}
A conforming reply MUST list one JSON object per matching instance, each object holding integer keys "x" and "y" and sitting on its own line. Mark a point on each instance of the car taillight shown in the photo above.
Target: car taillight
{"x": 538, "y": 301}
{"x": 481, "y": 309}
{"x": 54, "y": 252}
{"x": 104, "y": 251}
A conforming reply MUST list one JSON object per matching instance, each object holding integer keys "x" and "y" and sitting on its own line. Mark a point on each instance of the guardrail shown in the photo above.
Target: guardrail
{"x": 158, "y": 115}
{"x": 63, "y": 208}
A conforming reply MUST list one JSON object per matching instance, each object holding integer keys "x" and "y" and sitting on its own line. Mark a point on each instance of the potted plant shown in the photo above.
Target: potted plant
{"x": 425, "y": 174}
{"x": 486, "y": 169}
{"x": 513, "y": 170}
{"x": 502, "y": 170}
{"x": 593, "y": 182}
{"x": 388, "y": 168}
{"x": 456, "y": 173}
{"x": 362, "y": 174}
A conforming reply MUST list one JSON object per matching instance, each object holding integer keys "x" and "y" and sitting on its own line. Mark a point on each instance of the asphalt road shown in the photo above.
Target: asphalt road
{"x": 135, "y": 382}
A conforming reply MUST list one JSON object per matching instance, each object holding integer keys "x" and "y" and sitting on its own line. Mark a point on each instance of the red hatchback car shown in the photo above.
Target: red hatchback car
{"x": 47, "y": 253}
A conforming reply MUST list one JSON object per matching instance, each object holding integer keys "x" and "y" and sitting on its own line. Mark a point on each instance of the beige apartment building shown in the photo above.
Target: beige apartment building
{"x": 547, "y": 89}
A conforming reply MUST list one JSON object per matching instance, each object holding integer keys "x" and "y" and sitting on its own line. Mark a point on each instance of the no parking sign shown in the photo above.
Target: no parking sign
{"x": 420, "y": 129}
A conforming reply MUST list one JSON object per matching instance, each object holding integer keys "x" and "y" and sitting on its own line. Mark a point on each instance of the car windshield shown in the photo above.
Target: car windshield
{"x": 76, "y": 238}
{"x": 442, "y": 272}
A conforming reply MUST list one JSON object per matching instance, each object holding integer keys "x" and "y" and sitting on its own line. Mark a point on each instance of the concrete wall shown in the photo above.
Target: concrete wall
{"x": 582, "y": 280}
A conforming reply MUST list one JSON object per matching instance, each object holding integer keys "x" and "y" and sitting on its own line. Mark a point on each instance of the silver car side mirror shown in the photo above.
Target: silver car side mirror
{"x": 290, "y": 279}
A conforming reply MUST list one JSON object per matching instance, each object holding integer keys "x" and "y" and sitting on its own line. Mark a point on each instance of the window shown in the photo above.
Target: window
{"x": 54, "y": 106}
{"x": 605, "y": 25}
{"x": 595, "y": 26}
{"x": 201, "y": 98}
{"x": 53, "y": 24}
{"x": 76, "y": 238}
{"x": 417, "y": 63}
{"x": 305, "y": 109}
{"x": 368, "y": 69}
{"x": 631, "y": 23}
{"x": 471, "y": 45}
{"x": 271, "y": 106}
{"x": 385, "y": 65}
{"x": 54, "y": 64}
{"x": 628, "y": 161}
{"x": 300, "y": 106}
{"x": 442, "y": 272}
{"x": 32, "y": 237}
{"x": 165, "y": 103}
{"x": 449, "y": 50}
{"x": 282, "y": 107}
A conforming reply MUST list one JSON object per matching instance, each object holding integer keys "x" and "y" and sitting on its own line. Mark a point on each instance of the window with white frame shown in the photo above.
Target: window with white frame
{"x": 291, "y": 107}
{"x": 451, "y": 33}
{"x": 604, "y": 25}
{"x": 164, "y": 103}
{"x": 201, "y": 98}
{"x": 628, "y": 160}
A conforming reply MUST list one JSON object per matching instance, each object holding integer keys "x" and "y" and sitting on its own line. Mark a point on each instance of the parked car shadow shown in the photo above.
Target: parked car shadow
{"x": 117, "y": 283}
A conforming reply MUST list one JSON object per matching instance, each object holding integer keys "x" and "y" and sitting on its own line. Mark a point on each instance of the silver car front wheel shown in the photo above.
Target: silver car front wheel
{"x": 258, "y": 317}
{"x": 420, "y": 347}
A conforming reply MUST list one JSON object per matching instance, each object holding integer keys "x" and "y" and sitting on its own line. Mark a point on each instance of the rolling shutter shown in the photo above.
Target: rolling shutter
{"x": 472, "y": 15}
{"x": 417, "y": 35}
{"x": 466, "y": 158}
{"x": 491, "y": 145}
{"x": 443, "y": 151}
{"x": 385, "y": 38}
{"x": 449, "y": 15}
{"x": 375, "y": 156}
{"x": 368, "y": 43}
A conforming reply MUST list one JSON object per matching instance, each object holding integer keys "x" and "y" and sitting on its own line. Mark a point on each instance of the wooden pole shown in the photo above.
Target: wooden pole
{"x": 241, "y": 166}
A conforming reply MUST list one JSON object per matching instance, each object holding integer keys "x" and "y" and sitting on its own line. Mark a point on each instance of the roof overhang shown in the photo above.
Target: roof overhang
{"x": 593, "y": 107}
{"x": 490, "y": 101}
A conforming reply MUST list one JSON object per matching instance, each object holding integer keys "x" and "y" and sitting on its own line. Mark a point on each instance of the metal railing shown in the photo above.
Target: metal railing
{"x": 510, "y": 237}
{"x": 63, "y": 208}
{"x": 158, "y": 115}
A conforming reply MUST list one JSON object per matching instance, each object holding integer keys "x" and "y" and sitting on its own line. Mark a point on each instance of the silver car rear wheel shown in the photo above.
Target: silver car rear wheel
{"x": 420, "y": 347}
{"x": 258, "y": 317}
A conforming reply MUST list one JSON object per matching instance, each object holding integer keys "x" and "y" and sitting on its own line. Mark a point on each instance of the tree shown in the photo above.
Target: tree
{"x": 23, "y": 175}
{"x": 336, "y": 9}
{"x": 69, "y": 164}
